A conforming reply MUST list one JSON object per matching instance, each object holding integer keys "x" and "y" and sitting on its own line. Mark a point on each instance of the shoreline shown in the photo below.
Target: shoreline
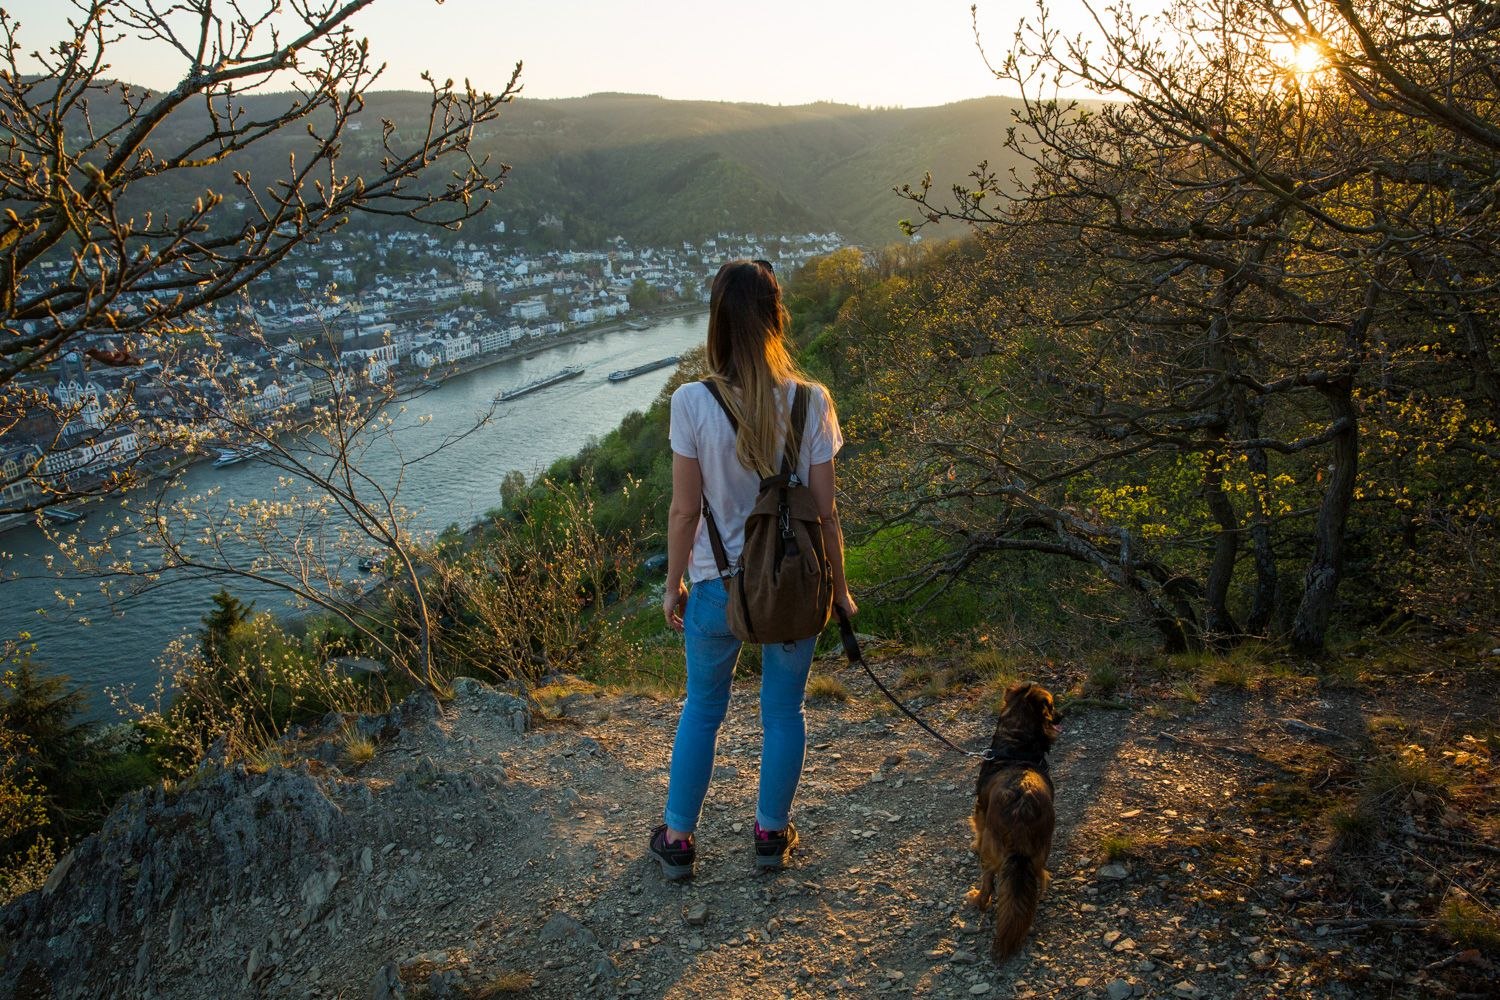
{"x": 166, "y": 469}
{"x": 518, "y": 351}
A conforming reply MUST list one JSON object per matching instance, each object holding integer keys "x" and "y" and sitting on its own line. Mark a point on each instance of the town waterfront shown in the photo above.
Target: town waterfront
{"x": 99, "y": 649}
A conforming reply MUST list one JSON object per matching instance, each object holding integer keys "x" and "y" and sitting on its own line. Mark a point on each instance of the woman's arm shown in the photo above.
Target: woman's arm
{"x": 682, "y": 526}
{"x": 821, "y": 483}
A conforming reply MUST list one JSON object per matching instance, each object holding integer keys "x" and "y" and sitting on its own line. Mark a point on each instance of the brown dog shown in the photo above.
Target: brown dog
{"x": 1013, "y": 815}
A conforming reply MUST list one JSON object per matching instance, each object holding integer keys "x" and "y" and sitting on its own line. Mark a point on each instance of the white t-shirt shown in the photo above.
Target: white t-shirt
{"x": 699, "y": 429}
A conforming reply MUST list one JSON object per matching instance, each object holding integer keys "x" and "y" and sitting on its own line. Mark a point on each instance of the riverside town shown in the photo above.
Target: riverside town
{"x": 404, "y": 309}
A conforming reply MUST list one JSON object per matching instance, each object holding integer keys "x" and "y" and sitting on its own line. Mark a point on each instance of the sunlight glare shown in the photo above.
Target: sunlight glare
{"x": 1302, "y": 59}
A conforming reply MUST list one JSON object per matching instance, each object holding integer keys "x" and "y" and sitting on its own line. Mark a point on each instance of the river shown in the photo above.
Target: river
{"x": 99, "y": 648}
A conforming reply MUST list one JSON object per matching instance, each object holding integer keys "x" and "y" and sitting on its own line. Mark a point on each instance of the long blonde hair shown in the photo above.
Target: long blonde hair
{"x": 747, "y": 327}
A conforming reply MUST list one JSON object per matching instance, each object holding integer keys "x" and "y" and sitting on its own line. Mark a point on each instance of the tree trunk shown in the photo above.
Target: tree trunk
{"x": 1320, "y": 584}
{"x": 1220, "y": 629}
{"x": 1263, "y": 603}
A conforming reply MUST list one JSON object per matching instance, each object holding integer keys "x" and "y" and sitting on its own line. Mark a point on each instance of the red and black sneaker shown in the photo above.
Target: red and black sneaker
{"x": 774, "y": 847}
{"x": 676, "y": 856}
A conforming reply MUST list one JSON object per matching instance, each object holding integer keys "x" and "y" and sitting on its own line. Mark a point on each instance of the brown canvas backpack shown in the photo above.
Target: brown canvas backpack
{"x": 781, "y": 590}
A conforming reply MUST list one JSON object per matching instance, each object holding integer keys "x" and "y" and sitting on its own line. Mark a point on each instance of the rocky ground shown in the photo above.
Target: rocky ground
{"x": 1259, "y": 833}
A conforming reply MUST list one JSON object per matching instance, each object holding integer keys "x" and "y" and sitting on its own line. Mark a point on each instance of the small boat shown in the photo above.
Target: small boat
{"x": 233, "y": 456}
{"x": 649, "y": 366}
{"x": 572, "y": 371}
{"x": 369, "y": 564}
{"x": 62, "y": 515}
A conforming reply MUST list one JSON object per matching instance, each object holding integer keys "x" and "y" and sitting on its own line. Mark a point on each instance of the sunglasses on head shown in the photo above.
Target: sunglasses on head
{"x": 765, "y": 264}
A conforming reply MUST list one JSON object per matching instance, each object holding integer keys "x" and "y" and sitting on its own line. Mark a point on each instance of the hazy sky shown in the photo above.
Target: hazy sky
{"x": 870, "y": 52}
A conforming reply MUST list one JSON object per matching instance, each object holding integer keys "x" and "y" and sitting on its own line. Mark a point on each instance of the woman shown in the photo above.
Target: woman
{"x": 756, "y": 378}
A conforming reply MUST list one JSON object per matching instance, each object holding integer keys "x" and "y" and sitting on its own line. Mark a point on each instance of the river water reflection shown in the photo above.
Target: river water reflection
{"x": 459, "y": 484}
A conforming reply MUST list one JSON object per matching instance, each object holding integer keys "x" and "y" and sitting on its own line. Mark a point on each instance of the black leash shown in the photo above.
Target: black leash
{"x": 851, "y": 650}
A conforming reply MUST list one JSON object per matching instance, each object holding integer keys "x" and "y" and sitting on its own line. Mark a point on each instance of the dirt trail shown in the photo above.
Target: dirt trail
{"x": 472, "y": 857}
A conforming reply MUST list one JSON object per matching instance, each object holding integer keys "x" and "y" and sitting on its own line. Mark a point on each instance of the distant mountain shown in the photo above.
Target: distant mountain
{"x": 656, "y": 171}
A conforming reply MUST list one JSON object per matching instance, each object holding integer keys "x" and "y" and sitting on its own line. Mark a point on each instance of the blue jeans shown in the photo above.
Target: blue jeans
{"x": 711, "y": 654}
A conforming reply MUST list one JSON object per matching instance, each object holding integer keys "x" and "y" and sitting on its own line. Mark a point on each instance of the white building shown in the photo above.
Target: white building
{"x": 526, "y": 309}
{"x": 95, "y": 457}
{"x": 17, "y": 467}
{"x": 83, "y": 400}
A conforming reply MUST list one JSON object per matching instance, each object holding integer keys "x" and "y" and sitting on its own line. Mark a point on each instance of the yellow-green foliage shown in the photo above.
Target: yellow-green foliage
{"x": 248, "y": 690}
{"x": 529, "y": 597}
{"x": 1116, "y": 846}
{"x": 24, "y": 866}
{"x": 1469, "y": 924}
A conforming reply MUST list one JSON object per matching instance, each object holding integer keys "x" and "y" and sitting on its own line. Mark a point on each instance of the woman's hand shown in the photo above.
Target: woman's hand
{"x": 673, "y": 601}
{"x": 846, "y": 602}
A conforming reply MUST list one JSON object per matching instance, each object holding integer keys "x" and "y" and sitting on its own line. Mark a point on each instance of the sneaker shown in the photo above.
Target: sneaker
{"x": 773, "y": 847}
{"x": 676, "y": 858}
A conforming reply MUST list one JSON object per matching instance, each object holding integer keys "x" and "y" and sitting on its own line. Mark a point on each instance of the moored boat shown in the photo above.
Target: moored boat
{"x": 233, "y": 456}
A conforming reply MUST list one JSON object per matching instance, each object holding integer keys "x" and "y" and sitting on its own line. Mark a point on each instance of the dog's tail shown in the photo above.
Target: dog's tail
{"x": 1016, "y": 890}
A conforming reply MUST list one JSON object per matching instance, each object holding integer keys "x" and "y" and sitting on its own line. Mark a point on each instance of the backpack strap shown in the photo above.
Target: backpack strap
{"x": 713, "y": 390}
{"x": 794, "y": 432}
{"x": 715, "y": 539}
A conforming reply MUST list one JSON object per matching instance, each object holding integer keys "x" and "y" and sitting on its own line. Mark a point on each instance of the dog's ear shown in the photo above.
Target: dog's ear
{"x": 1046, "y": 708}
{"x": 1014, "y": 696}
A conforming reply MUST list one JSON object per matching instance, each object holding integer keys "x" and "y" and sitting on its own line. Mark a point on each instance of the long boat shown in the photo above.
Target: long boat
{"x": 572, "y": 371}
{"x": 649, "y": 366}
{"x": 233, "y": 456}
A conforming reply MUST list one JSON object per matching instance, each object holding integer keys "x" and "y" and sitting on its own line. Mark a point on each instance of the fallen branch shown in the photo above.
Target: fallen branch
{"x": 1460, "y": 845}
{"x": 1346, "y": 924}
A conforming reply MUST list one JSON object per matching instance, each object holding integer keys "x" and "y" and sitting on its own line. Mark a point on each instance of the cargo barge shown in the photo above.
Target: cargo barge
{"x": 572, "y": 371}
{"x": 649, "y": 366}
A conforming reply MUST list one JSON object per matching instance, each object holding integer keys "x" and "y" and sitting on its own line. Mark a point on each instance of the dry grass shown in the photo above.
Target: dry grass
{"x": 823, "y": 687}
{"x": 508, "y": 982}
{"x": 916, "y": 675}
{"x": 995, "y": 666}
{"x": 942, "y": 682}
{"x": 1187, "y": 691}
{"x": 1352, "y": 828}
{"x": 357, "y": 749}
{"x": 1104, "y": 679}
{"x": 1232, "y": 672}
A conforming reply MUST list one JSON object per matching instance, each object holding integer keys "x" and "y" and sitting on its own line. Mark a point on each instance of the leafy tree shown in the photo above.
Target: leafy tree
{"x": 643, "y": 295}
{"x": 61, "y": 775}
{"x": 26, "y": 853}
{"x": 1199, "y": 298}
{"x": 219, "y": 624}
{"x": 147, "y": 201}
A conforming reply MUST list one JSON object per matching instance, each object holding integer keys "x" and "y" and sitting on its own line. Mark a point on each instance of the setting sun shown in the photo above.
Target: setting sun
{"x": 1302, "y": 59}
